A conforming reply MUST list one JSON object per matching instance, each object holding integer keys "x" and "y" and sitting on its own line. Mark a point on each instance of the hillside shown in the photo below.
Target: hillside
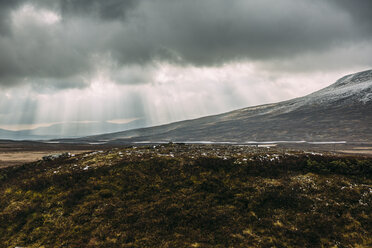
{"x": 340, "y": 112}
{"x": 188, "y": 196}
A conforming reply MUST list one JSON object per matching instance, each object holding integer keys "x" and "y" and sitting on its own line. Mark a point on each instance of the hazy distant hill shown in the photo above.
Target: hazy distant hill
{"x": 84, "y": 129}
{"x": 342, "y": 111}
{"x": 20, "y": 135}
{"x": 69, "y": 130}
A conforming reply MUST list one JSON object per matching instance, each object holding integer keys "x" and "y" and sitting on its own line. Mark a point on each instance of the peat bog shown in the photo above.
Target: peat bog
{"x": 179, "y": 195}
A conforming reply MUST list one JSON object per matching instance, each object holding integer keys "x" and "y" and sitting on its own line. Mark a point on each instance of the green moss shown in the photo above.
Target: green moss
{"x": 147, "y": 199}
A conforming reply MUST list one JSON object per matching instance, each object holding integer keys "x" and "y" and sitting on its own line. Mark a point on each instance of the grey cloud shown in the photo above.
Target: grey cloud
{"x": 133, "y": 75}
{"x": 348, "y": 59}
{"x": 107, "y": 9}
{"x": 5, "y": 7}
{"x": 29, "y": 109}
{"x": 360, "y": 11}
{"x": 199, "y": 32}
{"x": 42, "y": 85}
{"x": 212, "y": 32}
{"x": 18, "y": 112}
{"x": 48, "y": 53}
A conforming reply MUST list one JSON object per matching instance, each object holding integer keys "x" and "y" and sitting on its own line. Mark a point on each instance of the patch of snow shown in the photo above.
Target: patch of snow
{"x": 56, "y": 156}
{"x": 327, "y": 142}
{"x": 366, "y": 98}
{"x": 314, "y": 153}
{"x": 356, "y": 87}
{"x": 357, "y": 84}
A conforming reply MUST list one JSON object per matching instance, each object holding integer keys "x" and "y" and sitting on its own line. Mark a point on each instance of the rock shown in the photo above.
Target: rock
{"x": 56, "y": 156}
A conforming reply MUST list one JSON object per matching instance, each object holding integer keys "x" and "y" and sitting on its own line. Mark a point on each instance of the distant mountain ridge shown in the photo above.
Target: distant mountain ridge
{"x": 69, "y": 130}
{"x": 339, "y": 112}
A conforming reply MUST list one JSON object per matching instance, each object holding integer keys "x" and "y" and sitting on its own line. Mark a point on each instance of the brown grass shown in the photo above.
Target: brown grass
{"x": 362, "y": 152}
{"x": 188, "y": 196}
{"x": 18, "y": 158}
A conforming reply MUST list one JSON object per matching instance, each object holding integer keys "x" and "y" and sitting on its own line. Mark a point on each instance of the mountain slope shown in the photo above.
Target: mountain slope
{"x": 341, "y": 111}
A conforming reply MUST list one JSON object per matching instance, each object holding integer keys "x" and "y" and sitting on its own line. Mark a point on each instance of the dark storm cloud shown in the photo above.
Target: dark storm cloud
{"x": 198, "y": 32}
{"x": 359, "y": 10}
{"x": 5, "y": 7}
{"x": 107, "y": 9}
{"x": 212, "y": 32}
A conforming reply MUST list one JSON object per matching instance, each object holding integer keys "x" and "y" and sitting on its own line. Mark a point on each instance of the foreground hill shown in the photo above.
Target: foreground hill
{"x": 188, "y": 196}
{"x": 340, "y": 112}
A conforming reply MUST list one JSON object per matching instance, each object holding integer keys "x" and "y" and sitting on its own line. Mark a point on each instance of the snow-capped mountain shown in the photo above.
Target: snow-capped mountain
{"x": 351, "y": 88}
{"x": 339, "y": 112}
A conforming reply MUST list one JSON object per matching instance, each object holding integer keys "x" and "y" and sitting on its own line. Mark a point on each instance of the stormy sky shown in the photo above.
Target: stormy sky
{"x": 86, "y": 61}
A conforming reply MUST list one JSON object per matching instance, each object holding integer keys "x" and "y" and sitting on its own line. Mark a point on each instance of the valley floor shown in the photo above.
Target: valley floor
{"x": 14, "y": 153}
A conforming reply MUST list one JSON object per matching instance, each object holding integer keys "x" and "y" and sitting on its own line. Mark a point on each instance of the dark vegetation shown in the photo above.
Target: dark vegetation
{"x": 188, "y": 196}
